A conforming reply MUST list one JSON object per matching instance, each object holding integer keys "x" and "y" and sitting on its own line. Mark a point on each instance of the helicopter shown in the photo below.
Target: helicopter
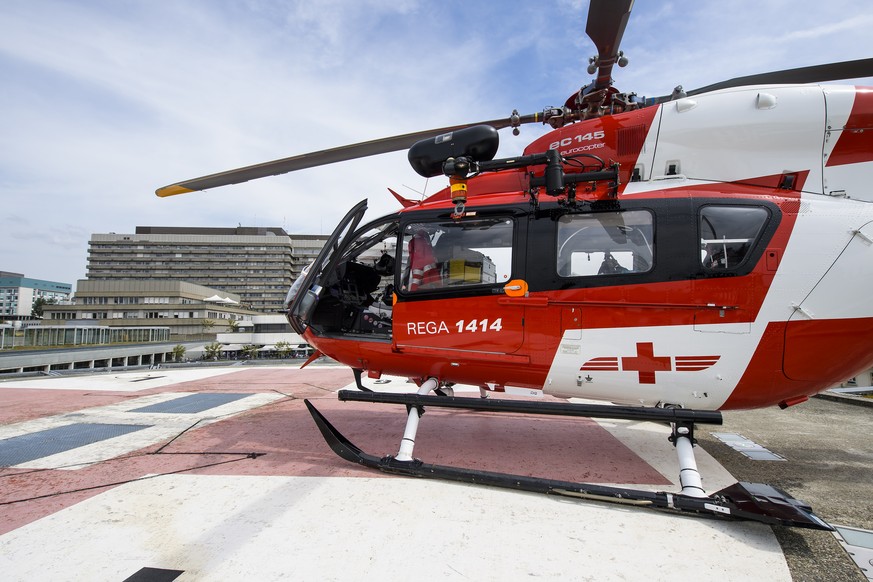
{"x": 673, "y": 257}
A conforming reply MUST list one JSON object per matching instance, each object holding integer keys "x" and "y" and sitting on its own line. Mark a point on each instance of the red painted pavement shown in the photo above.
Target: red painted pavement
{"x": 285, "y": 436}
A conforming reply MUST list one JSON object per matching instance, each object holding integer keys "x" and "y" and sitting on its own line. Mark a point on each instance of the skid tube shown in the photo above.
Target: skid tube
{"x": 742, "y": 500}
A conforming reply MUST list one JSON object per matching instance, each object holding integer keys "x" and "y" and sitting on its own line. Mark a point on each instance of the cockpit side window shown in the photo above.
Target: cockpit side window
{"x": 605, "y": 243}
{"x": 451, "y": 254}
{"x": 728, "y": 234}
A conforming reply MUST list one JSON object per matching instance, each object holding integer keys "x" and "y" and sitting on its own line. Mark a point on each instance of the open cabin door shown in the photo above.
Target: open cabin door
{"x": 305, "y": 293}
{"x": 350, "y": 287}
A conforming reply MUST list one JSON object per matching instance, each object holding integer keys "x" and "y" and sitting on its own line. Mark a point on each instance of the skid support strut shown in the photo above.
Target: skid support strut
{"x": 407, "y": 443}
{"x": 689, "y": 477}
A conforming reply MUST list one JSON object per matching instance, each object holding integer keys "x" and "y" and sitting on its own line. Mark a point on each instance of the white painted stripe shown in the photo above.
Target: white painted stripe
{"x": 133, "y": 381}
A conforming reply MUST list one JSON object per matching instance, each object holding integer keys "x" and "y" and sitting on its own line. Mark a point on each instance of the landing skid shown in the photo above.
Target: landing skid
{"x": 749, "y": 501}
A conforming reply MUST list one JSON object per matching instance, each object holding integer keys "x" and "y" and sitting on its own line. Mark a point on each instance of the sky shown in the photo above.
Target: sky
{"x": 103, "y": 101}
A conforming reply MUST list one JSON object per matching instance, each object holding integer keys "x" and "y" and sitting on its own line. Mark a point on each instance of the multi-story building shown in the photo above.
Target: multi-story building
{"x": 18, "y": 293}
{"x": 189, "y": 310}
{"x": 257, "y": 263}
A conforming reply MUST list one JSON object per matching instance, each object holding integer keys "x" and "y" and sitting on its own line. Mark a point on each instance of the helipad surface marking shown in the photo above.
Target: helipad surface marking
{"x": 192, "y": 403}
{"x": 747, "y": 447}
{"x": 331, "y": 528}
{"x": 858, "y": 543}
{"x": 237, "y": 523}
{"x": 118, "y": 382}
{"x": 154, "y": 427}
{"x": 154, "y": 575}
{"x": 39, "y": 444}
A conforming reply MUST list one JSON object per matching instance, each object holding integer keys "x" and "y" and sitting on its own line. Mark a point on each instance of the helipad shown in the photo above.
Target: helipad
{"x": 222, "y": 475}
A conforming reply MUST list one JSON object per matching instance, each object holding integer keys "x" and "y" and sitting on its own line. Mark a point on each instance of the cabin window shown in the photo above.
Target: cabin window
{"x": 728, "y": 234}
{"x": 605, "y": 243}
{"x": 456, "y": 254}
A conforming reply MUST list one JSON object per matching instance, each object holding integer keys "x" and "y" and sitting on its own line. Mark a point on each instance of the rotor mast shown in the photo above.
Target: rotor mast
{"x": 607, "y": 20}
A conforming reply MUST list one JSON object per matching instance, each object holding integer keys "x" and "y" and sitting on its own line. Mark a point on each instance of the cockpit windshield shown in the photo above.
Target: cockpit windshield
{"x": 303, "y": 296}
{"x": 351, "y": 289}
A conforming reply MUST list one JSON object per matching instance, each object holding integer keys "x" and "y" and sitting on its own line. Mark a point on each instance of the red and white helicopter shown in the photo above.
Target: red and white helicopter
{"x": 676, "y": 256}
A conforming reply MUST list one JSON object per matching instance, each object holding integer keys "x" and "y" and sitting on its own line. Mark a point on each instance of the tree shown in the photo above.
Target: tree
{"x": 40, "y": 303}
{"x": 232, "y": 326}
{"x": 208, "y": 324}
{"x": 283, "y": 349}
{"x": 251, "y": 351}
{"x": 178, "y": 352}
{"x": 211, "y": 350}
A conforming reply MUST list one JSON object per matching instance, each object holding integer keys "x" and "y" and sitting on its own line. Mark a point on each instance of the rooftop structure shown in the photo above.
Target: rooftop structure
{"x": 63, "y": 336}
{"x": 267, "y": 333}
{"x": 191, "y": 311}
{"x": 257, "y": 263}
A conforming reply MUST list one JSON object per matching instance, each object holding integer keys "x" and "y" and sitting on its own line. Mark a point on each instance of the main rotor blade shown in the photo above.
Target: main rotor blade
{"x": 329, "y": 156}
{"x": 607, "y": 20}
{"x": 814, "y": 74}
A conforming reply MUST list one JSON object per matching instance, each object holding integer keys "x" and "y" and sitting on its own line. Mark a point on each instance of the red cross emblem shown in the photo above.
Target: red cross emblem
{"x": 646, "y": 363}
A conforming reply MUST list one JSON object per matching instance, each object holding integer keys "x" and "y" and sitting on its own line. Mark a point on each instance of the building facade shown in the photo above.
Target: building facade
{"x": 18, "y": 293}
{"x": 257, "y": 263}
{"x": 189, "y": 310}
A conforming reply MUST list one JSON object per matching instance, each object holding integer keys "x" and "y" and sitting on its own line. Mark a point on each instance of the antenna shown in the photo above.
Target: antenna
{"x": 421, "y": 193}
